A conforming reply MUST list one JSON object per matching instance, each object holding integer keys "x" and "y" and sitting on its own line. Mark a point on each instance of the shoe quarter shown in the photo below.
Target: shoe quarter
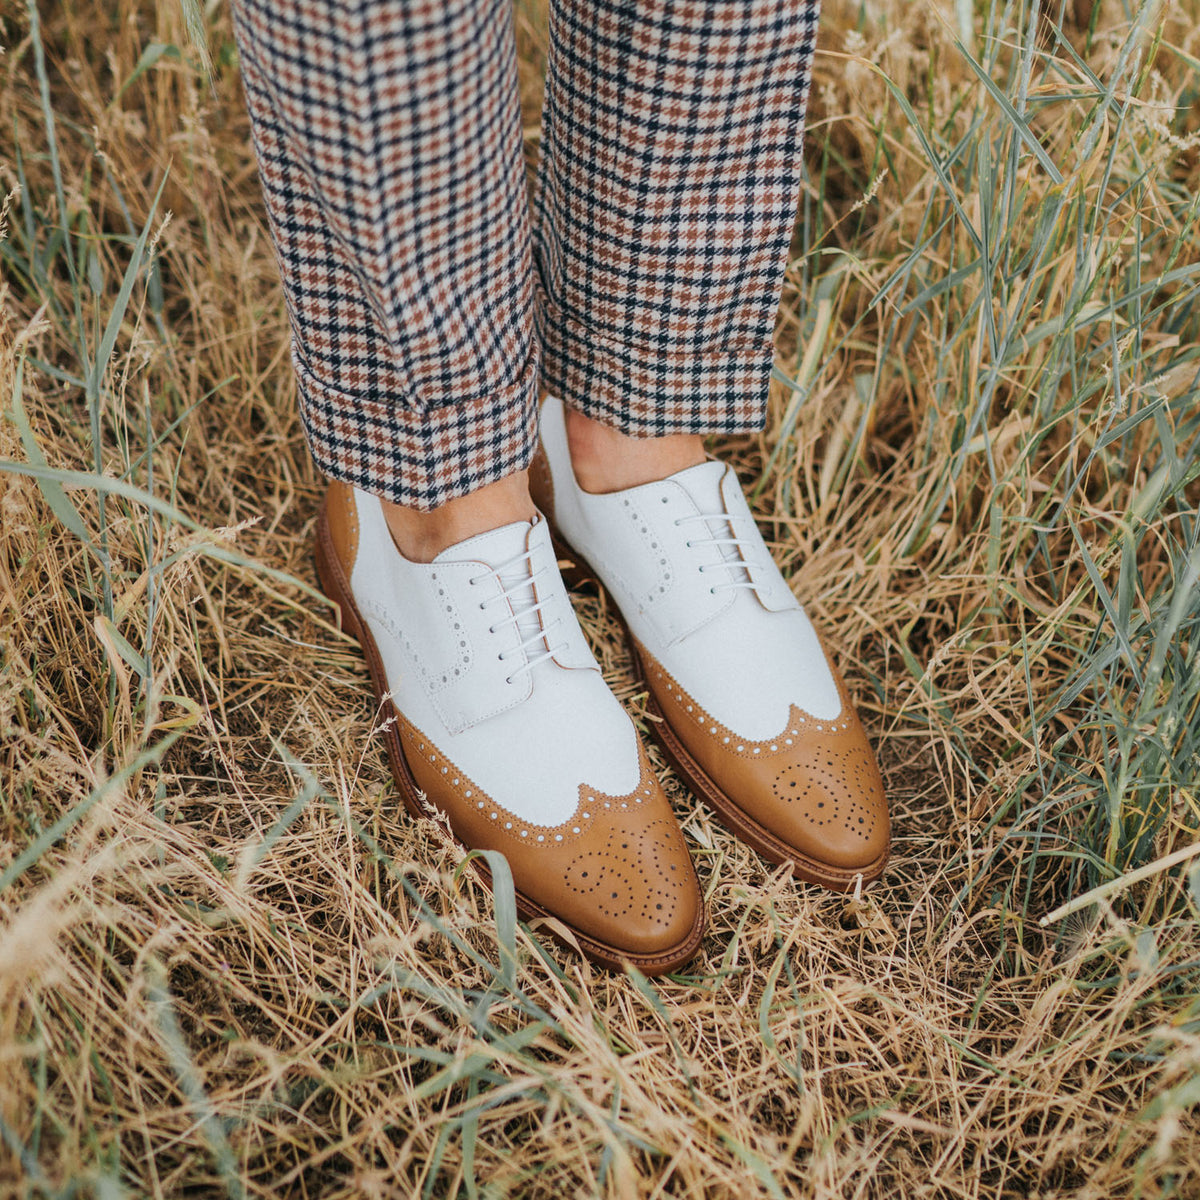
{"x": 647, "y": 563}
{"x": 433, "y": 629}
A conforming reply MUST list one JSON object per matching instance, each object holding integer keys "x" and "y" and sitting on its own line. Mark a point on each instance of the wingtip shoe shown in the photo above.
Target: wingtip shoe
{"x": 752, "y": 713}
{"x": 505, "y": 727}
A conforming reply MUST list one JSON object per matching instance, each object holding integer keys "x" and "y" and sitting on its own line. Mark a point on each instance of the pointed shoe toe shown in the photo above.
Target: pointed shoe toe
{"x": 811, "y": 796}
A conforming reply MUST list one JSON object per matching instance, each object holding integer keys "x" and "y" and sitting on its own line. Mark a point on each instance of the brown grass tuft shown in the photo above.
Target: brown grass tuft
{"x": 230, "y": 965}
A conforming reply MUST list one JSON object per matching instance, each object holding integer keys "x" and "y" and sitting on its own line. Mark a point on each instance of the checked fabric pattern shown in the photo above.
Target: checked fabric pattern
{"x": 428, "y": 304}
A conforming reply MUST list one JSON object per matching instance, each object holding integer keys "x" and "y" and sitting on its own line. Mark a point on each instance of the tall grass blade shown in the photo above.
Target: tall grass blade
{"x": 32, "y": 854}
{"x": 159, "y": 995}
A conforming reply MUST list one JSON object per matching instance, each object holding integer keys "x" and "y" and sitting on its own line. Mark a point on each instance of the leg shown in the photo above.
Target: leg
{"x": 667, "y": 193}
{"x": 389, "y": 144}
{"x": 666, "y": 204}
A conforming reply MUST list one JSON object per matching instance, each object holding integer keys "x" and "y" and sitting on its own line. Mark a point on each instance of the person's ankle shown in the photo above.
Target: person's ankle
{"x": 422, "y": 536}
{"x": 606, "y": 460}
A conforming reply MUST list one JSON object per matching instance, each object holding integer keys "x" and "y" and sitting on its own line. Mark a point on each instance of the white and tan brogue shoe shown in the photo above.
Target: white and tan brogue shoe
{"x": 750, "y": 710}
{"x": 505, "y": 726}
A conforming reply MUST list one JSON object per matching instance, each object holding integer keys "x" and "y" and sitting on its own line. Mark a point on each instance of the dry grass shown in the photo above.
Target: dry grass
{"x": 228, "y": 963}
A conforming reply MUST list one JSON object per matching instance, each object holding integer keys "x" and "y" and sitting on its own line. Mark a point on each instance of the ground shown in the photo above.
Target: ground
{"x": 229, "y": 964}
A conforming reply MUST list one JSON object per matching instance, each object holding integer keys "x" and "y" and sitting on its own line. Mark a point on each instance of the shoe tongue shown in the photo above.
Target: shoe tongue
{"x": 492, "y": 548}
{"x": 703, "y": 484}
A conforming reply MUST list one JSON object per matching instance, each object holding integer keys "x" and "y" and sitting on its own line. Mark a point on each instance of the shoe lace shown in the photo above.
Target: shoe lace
{"x": 740, "y": 556}
{"x": 517, "y": 587}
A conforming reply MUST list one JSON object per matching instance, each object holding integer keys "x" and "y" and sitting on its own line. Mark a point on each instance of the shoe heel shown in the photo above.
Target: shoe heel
{"x": 332, "y": 579}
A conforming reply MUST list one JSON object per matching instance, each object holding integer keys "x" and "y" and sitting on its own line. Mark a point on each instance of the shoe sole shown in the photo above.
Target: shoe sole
{"x": 731, "y": 815}
{"x": 336, "y": 586}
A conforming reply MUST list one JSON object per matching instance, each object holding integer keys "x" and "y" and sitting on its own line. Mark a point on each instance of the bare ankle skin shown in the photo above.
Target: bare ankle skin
{"x": 422, "y": 536}
{"x": 606, "y": 460}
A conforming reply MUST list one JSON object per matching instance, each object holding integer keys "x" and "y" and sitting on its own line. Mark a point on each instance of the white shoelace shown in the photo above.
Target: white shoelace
{"x": 733, "y": 550}
{"x": 526, "y": 612}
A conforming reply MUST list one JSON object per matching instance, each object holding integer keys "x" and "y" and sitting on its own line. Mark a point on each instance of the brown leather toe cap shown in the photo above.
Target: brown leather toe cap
{"x": 828, "y": 801}
{"x": 634, "y": 886}
{"x": 617, "y": 873}
{"x": 812, "y": 795}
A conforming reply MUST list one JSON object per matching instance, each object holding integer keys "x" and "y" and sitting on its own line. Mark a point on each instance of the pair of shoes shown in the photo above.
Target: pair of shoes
{"x": 505, "y": 729}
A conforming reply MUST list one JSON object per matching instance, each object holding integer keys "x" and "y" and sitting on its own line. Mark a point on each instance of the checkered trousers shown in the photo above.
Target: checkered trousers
{"x": 427, "y": 307}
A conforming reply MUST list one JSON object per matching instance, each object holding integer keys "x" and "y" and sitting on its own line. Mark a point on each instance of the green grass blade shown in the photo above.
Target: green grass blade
{"x": 49, "y": 837}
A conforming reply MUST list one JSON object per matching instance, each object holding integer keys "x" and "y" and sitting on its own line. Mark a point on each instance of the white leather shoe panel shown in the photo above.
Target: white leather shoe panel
{"x": 747, "y": 654}
{"x": 748, "y": 667}
{"x": 572, "y": 731}
{"x": 533, "y": 758}
{"x": 434, "y": 613}
{"x": 529, "y": 738}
